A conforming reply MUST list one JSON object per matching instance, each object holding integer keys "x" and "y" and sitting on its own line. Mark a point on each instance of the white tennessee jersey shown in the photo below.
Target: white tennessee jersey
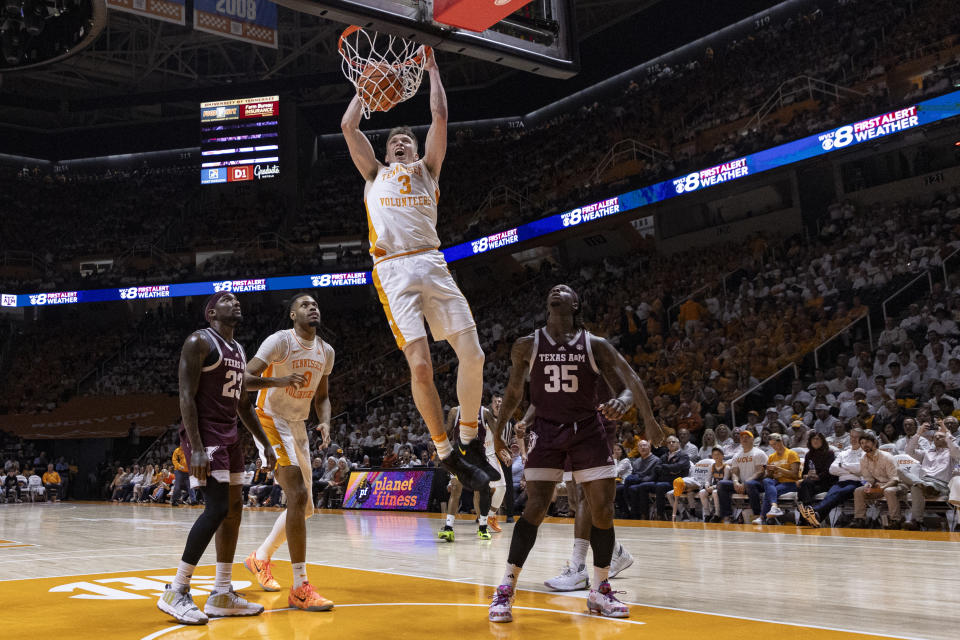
{"x": 285, "y": 354}
{"x": 402, "y": 210}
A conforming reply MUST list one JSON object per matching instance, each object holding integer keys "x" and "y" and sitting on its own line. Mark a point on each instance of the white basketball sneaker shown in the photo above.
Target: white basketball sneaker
{"x": 570, "y": 579}
{"x": 775, "y": 511}
{"x": 180, "y": 606}
{"x": 621, "y": 561}
{"x": 229, "y": 603}
{"x": 501, "y": 609}
{"x": 603, "y": 602}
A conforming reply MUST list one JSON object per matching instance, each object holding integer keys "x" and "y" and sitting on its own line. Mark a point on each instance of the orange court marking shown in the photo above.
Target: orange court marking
{"x": 368, "y": 604}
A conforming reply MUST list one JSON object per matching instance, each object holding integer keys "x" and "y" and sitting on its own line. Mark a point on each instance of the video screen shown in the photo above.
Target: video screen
{"x": 240, "y": 140}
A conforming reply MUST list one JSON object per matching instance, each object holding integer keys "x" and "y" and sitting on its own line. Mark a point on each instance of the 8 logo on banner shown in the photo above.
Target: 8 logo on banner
{"x": 128, "y": 294}
{"x": 321, "y": 281}
{"x": 226, "y": 285}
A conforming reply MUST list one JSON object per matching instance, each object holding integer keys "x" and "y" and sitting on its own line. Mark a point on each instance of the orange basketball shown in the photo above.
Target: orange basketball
{"x": 380, "y": 86}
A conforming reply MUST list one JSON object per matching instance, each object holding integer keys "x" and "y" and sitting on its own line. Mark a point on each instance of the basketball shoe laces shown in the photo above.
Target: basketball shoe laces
{"x": 607, "y": 592}
{"x": 266, "y": 567}
{"x": 501, "y": 597}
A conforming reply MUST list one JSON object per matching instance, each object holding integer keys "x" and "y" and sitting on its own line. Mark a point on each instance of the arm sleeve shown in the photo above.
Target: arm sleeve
{"x": 273, "y": 349}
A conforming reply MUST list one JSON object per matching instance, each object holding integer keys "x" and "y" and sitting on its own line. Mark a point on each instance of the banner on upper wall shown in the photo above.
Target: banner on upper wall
{"x": 248, "y": 20}
{"x": 98, "y": 417}
{"x": 174, "y": 11}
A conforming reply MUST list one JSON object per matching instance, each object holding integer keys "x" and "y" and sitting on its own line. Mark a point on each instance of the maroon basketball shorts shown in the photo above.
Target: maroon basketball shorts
{"x": 226, "y": 462}
{"x": 584, "y": 443}
{"x": 611, "y": 429}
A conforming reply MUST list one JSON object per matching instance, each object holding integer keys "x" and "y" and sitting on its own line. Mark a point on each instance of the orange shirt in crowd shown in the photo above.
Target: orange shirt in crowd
{"x": 51, "y": 477}
{"x": 179, "y": 459}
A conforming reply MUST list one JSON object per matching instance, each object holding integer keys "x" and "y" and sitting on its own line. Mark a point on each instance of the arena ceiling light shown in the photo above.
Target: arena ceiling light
{"x": 35, "y": 33}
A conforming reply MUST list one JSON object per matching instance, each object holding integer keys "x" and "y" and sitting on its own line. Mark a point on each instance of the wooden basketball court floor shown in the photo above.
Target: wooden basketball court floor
{"x": 94, "y": 570}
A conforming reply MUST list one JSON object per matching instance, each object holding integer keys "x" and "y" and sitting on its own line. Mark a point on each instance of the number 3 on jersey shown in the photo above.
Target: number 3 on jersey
{"x": 405, "y": 181}
{"x": 562, "y": 378}
{"x": 234, "y": 385}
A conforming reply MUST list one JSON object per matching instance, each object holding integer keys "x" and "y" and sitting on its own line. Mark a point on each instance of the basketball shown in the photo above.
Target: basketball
{"x": 380, "y": 86}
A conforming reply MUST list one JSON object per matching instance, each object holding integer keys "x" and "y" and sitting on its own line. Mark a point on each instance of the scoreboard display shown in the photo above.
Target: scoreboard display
{"x": 240, "y": 140}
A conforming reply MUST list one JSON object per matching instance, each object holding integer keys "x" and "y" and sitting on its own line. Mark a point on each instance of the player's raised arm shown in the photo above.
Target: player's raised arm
{"x": 435, "y": 149}
{"x": 361, "y": 151}
{"x": 513, "y": 394}
{"x": 194, "y": 352}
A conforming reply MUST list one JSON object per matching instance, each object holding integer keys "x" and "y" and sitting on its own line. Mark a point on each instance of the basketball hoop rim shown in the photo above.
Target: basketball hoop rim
{"x": 349, "y": 31}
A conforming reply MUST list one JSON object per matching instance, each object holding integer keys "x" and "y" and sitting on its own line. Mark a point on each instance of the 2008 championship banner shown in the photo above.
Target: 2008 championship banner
{"x": 174, "y": 11}
{"x": 248, "y": 20}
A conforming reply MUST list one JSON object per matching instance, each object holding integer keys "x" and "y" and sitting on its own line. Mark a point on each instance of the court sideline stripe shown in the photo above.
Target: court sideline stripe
{"x": 157, "y": 634}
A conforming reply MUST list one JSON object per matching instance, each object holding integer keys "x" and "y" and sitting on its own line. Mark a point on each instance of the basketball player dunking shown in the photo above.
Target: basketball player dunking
{"x": 212, "y": 396}
{"x": 566, "y": 365}
{"x": 291, "y": 369}
{"x": 412, "y": 278}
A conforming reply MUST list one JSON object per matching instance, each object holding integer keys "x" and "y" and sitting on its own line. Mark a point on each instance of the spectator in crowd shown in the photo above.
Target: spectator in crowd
{"x": 746, "y": 471}
{"x": 816, "y": 476}
{"x": 11, "y": 487}
{"x": 709, "y": 497}
{"x": 673, "y": 464}
{"x": 707, "y": 442}
{"x": 693, "y": 453}
{"x": 839, "y": 439}
{"x": 825, "y": 422}
{"x": 936, "y": 468}
{"x": 781, "y": 473}
{"x": 726, "y": 442}
{"x": 118, "y": 484}
{"x": 644, "y": 471}
{"x": 846, "y": 467}
{"x": 181, "y": 474}
{"x": 880, "y": 479}
{"x": 798, "y": 434}
{"x": 51, "y": 484}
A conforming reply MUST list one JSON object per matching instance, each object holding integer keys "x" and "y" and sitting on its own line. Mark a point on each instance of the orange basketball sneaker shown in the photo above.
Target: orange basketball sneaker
{"x": 492, "y": 523}
{"x": 307, "y": 598}
{"x": 263, "y": 570}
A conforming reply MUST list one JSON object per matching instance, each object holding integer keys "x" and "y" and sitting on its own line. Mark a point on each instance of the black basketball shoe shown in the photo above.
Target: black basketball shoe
{"x": 477, "y": 456}
{"x": 469, "y": 475}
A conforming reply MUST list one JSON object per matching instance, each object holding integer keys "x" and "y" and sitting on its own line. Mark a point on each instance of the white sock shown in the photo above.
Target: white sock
{"x": 224, "y": 576}
{"x": 181, "y": 581}
{"x": 600, "y": 576}
{"x": 451, "y": 519}
{"x": 511, "y": 575}
{"x": 299, "y": 573}
{"x": 579, "y": 558}
{"x": 278, "y": 535}
{"x": 468, "y": 432}
{"x": 497, "y": 499}
{"x": 444, "y": 448}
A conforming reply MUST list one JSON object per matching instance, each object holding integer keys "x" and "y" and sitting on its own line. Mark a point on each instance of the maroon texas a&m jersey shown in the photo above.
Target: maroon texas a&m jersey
{"x": 218, "y": 395}
{"x": 564, "y": 378}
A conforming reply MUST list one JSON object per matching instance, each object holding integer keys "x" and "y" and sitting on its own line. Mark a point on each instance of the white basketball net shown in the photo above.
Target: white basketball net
{"x": 360, "y": 49}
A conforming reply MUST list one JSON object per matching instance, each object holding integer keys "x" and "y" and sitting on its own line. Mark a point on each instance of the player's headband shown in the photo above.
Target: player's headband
{"x": 212, "y": 302}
